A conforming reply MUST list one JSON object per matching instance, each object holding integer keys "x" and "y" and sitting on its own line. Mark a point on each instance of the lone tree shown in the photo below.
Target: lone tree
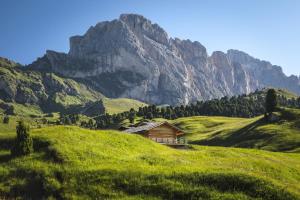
{"x": 6, "y": 119}
{"x": 131, "y": 115}
{"x": 23, "y": 142}
{"x": 271, "y": 102}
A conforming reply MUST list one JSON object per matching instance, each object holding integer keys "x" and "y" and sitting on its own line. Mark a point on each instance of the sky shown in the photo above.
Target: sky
{"x": 266, "y": 29}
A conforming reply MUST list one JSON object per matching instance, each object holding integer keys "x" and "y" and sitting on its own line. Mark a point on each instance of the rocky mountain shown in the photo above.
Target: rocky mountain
{"x": 47, "y": 91}
{"x": 34, "y": 93}
{"x": 135, "y": 58}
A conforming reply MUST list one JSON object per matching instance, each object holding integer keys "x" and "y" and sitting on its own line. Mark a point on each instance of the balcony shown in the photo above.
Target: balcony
{"x": 171, "y": 141}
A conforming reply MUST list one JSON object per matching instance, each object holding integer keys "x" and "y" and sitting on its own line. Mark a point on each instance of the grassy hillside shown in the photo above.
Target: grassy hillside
{"x": 74, "y": 104}
{"x": 286, "y": 93}
{"x": 49, "y": 92}
{"x": 74, "y": 163}
{"x": 242, "y": 132}
{"x": 22, "y": 109}
{"x": 281, "y": 92}
{"x": 113, "y": 106}
{"x": 7, "y": 63}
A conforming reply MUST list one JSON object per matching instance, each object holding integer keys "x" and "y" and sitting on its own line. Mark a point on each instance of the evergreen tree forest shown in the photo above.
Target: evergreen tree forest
{"x": 246, "y": 106}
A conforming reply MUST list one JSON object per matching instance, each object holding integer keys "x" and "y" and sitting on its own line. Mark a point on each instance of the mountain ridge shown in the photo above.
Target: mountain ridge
{"x": 134, "y": 58}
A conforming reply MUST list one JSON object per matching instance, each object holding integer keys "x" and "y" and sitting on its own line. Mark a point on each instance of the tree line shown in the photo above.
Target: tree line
{"x": 247, "y": 106}
{"x": 251, "y": 105}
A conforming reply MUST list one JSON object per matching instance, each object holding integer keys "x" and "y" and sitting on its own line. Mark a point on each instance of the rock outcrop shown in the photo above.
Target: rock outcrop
{"x": 132, "y": 57}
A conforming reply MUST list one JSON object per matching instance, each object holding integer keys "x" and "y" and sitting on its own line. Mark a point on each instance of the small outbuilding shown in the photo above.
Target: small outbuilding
{"x": 161, "y": 132}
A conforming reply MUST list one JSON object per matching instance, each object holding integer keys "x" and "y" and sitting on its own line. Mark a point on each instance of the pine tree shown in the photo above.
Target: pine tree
{"x": 23, "y": 142}
{"x": 91, "y": 124}
{"x": 131, "y": 115}
{"x": 100, "y": 124}
{"x": 83, "y": 124}
{"x": 149, "y": 115}
{"x": 68, "y": 120}
{"x": 271, "y": 101}
{"x": 6, "y": 119}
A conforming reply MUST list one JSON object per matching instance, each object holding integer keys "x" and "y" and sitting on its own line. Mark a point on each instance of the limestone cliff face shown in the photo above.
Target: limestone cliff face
{"x": 132, "y": 57}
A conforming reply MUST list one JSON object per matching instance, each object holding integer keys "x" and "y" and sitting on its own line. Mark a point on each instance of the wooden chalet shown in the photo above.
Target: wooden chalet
{"x": 161, "y": 132}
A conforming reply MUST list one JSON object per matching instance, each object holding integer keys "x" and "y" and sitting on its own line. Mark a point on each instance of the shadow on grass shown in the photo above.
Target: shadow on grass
{"x": 5, "y": 158}
{"x": 180, "y": 185}
{"x": 51, "y": 154}
{"x": 5, "y": 144}
{"x": 104, "y": 184}
{"x": 244, "y": 137}
{"x": 30, "y": 188}
{"x": 30, "y": 184}
{"x": 39, "y": 145}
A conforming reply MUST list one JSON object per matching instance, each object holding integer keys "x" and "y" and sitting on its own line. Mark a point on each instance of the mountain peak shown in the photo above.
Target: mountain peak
{"x": 143, "y": 63}
{"x": 142, "y": 26}
{"x": 133, "y": 17}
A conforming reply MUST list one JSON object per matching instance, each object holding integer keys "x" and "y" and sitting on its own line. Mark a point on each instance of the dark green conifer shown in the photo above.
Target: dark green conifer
{"x": 6, "y": 119}
{"x": 271, "y": 101}
{"x": 23, "y": 142}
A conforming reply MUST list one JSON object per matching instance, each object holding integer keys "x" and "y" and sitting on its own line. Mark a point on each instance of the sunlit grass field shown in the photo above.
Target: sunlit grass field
{"x": 282, "y": 135}
{"x": 114, "y": 106}
{"x": 75, "y": 163}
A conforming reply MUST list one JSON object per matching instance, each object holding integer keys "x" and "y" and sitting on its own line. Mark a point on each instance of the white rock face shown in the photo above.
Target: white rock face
{"x": 132, "y": 57}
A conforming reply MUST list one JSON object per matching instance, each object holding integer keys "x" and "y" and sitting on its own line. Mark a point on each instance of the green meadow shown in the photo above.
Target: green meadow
{"x": 74, "y": 163}
{"x": 282, "y": 135}
{"x": 119, "y": 105}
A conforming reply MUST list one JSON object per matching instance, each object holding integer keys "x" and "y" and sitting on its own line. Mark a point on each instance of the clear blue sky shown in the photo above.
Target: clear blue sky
{"x": 266, "y": 29}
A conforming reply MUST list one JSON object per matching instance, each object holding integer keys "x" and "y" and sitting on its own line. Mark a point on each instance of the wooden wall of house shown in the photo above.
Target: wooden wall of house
{"x": 163, "y": 131}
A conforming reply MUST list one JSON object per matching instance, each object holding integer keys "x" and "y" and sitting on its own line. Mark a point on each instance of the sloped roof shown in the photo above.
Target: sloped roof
{"x": 149, "y": 126}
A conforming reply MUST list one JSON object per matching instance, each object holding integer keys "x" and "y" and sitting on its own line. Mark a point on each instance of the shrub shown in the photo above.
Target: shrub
{"x": 6, "y": 119}
{"x": 23, "y": 142}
